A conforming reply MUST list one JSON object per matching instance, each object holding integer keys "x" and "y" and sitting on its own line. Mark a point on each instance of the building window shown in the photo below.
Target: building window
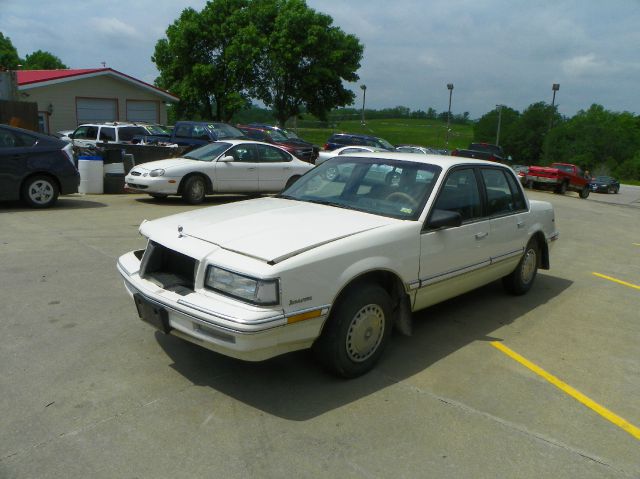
{"x": 43, "y": 122}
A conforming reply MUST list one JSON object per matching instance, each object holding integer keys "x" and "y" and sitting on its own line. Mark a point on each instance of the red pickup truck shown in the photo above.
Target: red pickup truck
{"x": 560, "y": 177}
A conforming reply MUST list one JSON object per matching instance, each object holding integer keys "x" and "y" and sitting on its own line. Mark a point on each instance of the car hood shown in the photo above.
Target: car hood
{"x": 166, "y": 164}
{"x": 268, "y": 229}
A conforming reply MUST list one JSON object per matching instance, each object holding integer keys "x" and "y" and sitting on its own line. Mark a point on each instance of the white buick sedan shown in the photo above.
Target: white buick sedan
{"x": 229, "y": 166}
{"x": 334, "y": 262}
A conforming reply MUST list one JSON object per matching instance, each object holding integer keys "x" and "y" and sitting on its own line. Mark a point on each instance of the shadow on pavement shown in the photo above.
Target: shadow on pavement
{"x": 209, "y": 200}
{"x": 295, "y": 387}
{"x": 63, "y": 203}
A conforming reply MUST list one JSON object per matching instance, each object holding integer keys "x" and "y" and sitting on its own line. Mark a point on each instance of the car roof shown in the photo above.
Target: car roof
{"x": 439, "y": 160}
{"x": 36, "y": 134}
{"x": 356, "y": 135}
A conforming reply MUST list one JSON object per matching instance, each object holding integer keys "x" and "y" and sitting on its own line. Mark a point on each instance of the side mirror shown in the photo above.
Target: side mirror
{"x": 443, "y": 219}
{"x": 227, "y": 159}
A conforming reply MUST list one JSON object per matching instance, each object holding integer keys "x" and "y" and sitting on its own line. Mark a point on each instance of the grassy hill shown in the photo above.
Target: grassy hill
{"x": 430, "y": 133}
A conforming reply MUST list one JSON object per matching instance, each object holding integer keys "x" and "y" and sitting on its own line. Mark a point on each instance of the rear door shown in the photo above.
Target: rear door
{"x": 275, "y": 167}
{"x": 454, "y": 260}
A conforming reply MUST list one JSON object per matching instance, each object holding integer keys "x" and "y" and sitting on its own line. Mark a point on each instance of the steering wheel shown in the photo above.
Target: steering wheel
{"x": 403, "y": 196}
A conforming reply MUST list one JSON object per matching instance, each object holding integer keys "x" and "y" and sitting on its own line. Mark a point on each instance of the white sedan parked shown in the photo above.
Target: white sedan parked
{"x": 230, "y": 166}
{"x": 335, "y": 263}
{"x": 345, "y": 150}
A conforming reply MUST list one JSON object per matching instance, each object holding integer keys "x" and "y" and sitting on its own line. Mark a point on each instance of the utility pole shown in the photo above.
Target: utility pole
{"x": 450, "y": 88}
{"x": 364, "y": 97}
{"x": 499, "y": 107}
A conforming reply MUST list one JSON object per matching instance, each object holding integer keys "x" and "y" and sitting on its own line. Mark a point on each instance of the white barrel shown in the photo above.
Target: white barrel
{"x": 91, "y": 170}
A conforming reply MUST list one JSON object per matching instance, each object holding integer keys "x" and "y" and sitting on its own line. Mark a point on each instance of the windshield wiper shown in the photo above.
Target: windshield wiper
{"x": 332, "y": 203}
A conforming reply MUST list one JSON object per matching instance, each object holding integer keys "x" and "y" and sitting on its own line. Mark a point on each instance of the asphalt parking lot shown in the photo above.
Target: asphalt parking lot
{"x": 88, "y": 390}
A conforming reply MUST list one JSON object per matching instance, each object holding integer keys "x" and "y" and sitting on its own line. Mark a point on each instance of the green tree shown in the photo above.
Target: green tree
{"x": 525, "y": 137}
{"x": 486, "y": 128}
{"x": 208, "y": 59}
{"x": 304, "y": 59}
{"x": 595, "y": 139}
{"x": 41, "y": 60}
{"x": 9, "y": 59}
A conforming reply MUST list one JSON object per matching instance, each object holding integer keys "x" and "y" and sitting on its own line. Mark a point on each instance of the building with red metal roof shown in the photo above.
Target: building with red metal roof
{"x": 68, "y": 98}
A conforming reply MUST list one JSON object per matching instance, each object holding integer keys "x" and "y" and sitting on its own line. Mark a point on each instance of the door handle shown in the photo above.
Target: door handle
{"x": 481, "y": 235}
{"x": 251, "y": 169}
{"x": 520, "y": 224}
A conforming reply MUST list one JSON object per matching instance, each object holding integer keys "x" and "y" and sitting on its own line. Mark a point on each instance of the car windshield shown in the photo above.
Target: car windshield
{"x": 386, "y": 144}
{"x": 276, "y": 135}
{"x": 222, "y": 130}
{"x": 393, "y": 188}
{"x": 291, "y": 134}
{"x": 208, "y": 152}
{"x": 156, "y": 130}
{"x": 602, "y": 178}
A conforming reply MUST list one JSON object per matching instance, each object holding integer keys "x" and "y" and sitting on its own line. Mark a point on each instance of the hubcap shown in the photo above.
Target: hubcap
{"x": 365, "y": 333}
{"x": 41, "y": 192}
{"x": 529, "y": 265}
{"x": 197, "y": 189}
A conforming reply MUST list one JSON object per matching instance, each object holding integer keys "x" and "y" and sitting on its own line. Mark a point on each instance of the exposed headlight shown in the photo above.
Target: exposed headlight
{"x": 263, "y": 292}
{"x": 157, "y": 172}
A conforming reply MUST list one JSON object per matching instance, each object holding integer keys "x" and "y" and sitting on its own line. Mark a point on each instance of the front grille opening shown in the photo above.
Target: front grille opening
{"x": 168, "y": 269}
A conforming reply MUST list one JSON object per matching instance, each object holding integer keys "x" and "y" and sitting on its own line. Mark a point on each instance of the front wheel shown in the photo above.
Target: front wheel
{"x": 356, "y": 332}
{"x": 562, "y": 188}
{"x": 194, "y": 190}
{"x": 584, "y": 193}
{"x": 40, "y": 191}
{"x": 521, "y": 279}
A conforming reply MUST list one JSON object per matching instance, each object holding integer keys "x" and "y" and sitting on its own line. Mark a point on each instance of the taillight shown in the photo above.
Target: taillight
{"x": 326, "y": 147}
{"x": 68, "y": 152}
{"x": 454, "y": 153}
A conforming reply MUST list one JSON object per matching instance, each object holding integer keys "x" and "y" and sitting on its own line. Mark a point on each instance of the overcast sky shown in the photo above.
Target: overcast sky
{"x": 494, "y": 51}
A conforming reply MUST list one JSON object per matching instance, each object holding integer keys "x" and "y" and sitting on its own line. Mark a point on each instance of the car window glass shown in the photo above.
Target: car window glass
{"x": 86, "y": 133}
{"x": 460, "y": 194}
{"x": 8, "y": 139}
{"x": 199, "y": 132}
{"x": 499, "y": 195}
{"x": 183, "y": 131}
{"x": 243, "y": 153}
{"x": 268, "y": 154}
{"x": 126, "y": 133}
{"x": 519, "y": 202}
{"x": 107, "y": 134}
{"x": 351, "y": 150}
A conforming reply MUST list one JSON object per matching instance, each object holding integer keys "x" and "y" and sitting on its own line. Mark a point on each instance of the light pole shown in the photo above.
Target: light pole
{"x": 450, "y": 88}
{"x": 364, "y": 97}
{"x": 499, "y": 107}
{"x": 555, "y": 87}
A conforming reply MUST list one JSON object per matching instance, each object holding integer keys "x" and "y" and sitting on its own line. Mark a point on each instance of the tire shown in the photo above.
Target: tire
{"x": 158, "y": 196}
{"x": 611, "y": 190}
{"x": 617, "y": 190}
{"x": 522, "y": 278}
{"x": 291, "y": 181}
{"x": 584, "y": 192}
{"x": 562, "y": 188}
{"x": 40, "y": 191}
{"x": 194, "y": 190}
{"x": 356, "y": 332}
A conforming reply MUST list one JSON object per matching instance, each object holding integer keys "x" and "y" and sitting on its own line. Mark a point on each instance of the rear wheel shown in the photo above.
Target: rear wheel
{"x": 194, "y": 190}
{"x": 40, "y": 191}
{"x": 521, "y": 279}
{"x": 562, "y": 188}
{"x": 291, "y": 181}
{"x": 356, "y": 332}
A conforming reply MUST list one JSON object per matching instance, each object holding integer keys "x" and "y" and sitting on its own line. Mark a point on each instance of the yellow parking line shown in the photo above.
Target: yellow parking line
{"x": 574, "y": 393}
{"x": 635, "y": 286}
{"x": 636, "y": 244}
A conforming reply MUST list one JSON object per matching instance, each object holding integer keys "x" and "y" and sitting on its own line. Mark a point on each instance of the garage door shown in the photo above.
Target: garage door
{"x": 143, "y": 111}
{"x": 95, "y": 110}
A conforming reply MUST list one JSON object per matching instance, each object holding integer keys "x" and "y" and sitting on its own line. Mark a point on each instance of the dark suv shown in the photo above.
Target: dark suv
{"x": 338, "y": 140}
{"x": 279, "y": 137}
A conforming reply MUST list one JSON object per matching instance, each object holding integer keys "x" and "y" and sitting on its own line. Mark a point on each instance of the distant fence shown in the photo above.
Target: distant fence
{"x": 22, "y": 114}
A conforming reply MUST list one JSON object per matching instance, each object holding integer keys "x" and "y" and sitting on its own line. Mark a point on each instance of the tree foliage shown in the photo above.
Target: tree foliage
{"x": 9, "y": 59}
{"x": 278, "y": 51}
{"x": 208, "y": 59}
{"x": 41, "y": 60}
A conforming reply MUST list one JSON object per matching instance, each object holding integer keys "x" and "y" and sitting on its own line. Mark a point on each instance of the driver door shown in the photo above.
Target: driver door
{"x": 239, "y": 175}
